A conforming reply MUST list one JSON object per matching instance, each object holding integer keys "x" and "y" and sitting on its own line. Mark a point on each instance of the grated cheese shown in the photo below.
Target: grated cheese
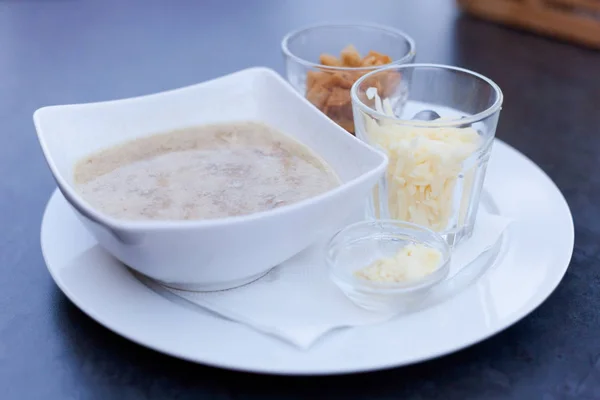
{"x": 412, "y": 262}
{"x": 424, "y": 165}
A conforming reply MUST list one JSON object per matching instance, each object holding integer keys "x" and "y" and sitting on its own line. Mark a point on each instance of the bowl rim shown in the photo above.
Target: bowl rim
{"x": 137, "y": 226}
{"x": 489, "y": 111}
{"x": 391, "y": 288}
{"x": 412, "y": 47}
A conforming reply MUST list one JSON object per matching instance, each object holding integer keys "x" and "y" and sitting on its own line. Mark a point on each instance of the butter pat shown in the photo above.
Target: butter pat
{"x": 412, "y": 262}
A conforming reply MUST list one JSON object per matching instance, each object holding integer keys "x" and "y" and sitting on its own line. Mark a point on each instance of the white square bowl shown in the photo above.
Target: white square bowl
{"x": 221, "y": 253}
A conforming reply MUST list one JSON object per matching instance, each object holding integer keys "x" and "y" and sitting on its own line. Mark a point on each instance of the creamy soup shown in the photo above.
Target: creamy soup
{"x": 203, "y": 172}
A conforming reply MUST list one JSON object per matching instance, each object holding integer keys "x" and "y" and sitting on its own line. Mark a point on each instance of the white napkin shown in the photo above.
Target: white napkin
{"x": 297, "y": 301}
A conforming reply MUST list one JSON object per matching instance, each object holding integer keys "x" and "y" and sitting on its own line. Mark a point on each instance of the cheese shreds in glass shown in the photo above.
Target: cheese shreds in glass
{"x": 424, "y": 168}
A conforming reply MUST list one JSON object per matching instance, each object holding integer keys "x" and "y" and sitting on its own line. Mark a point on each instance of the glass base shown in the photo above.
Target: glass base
{"x": 453, "y": 238}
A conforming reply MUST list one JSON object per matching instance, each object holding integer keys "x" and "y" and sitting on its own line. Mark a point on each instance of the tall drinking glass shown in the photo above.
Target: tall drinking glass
{"x": 437, "y": 124}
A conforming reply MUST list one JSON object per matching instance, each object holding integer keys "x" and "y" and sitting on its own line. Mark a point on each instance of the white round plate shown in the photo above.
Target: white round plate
{"x": 540, "y": 244}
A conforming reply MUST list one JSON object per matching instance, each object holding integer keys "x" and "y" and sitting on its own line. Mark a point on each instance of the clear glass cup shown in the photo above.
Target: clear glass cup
{"x": 437, "y": 167}
{"x": 326, "y": 86}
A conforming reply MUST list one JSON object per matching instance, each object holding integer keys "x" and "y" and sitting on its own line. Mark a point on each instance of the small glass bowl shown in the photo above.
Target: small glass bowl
{"x": 359, "y": 244}
{"x": 331, "y": 92}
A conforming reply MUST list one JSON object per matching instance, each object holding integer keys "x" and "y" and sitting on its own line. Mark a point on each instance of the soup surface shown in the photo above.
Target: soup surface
{"x": 203, "y": 172}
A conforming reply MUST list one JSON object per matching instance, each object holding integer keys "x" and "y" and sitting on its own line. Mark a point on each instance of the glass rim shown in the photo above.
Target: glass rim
{"x": 412, "y": 49}
{"x": 495, "y": 107}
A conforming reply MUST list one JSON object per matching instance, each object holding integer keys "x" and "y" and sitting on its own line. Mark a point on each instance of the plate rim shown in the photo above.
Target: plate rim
{"x": 521, "y": 312}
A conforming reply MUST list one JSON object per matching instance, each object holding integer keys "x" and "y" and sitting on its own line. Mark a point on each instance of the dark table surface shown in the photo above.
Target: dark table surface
{"x": 62, "y": 51}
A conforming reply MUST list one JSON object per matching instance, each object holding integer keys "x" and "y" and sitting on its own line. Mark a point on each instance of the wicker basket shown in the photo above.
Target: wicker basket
{"x": 574, "y": 20}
